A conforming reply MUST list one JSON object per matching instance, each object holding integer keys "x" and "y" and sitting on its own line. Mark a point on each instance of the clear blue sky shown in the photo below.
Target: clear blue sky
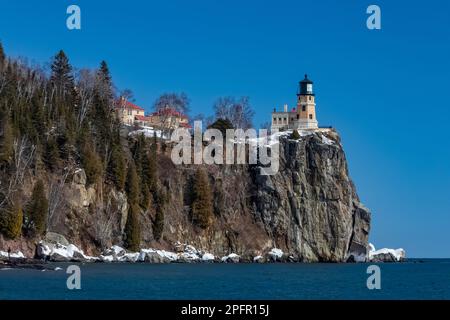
{"x": 386, "y": 92}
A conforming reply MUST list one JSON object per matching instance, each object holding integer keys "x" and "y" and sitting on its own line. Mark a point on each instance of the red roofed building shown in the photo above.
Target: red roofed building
{"x": 167, "y": 118}
{"x": 128, "y": 111}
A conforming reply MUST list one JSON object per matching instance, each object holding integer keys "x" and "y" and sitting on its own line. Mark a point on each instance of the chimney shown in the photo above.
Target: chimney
{"x": 285, "y": 108}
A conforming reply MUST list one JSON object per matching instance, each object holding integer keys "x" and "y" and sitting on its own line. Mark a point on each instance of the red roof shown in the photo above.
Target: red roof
{"x": 122, "y": 103}
{"x": 141, "y": 118}
{"x": 185, "y": 125}
{"x": 169, "y": 112}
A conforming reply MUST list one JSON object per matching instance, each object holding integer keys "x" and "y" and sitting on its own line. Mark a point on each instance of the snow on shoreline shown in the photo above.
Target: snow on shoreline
{"x": 14, "y": 255}
{"x": 381, "y": 254}
{"x": 56, "y": 252}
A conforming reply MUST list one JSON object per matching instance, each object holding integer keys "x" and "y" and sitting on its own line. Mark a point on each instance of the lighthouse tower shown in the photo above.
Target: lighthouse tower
{"x": 306, "y": 105}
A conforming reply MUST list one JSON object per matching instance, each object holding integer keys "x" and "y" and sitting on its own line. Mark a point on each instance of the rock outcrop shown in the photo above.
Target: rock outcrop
{"x": 309, "y": 211}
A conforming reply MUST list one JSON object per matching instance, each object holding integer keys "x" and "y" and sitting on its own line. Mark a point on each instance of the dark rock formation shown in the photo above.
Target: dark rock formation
{"x": 309, "y": 209}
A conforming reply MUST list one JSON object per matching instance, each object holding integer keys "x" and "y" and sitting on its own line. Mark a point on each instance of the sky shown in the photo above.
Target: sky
{"x": 385, "y": 91}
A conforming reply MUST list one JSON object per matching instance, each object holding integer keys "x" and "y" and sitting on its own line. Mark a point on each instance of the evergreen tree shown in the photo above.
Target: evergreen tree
{"x": 61, "y": 77}
{"x": 11, "y": 220}
{"x": 222, "y": 125}
{"x": 92, "y": 164}
{"x": 2, "y": 58}
{"x": 133, "y": 229}
{"x": 132, "y": 185}
{"x": 51, "y": 155}
{"x": 117, "y": 167}
{"x": 295, "y": 135}
{"x": 149, "y": 169}
{"x": 158, "y": 225}
{"x": 6, "y": 139}
{"x": 37, "y": 211}
{"x": 202, "y": 206}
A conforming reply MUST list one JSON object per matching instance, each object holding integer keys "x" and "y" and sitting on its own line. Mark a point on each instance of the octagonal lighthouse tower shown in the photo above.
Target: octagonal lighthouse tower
{"x": 306, "y": 105}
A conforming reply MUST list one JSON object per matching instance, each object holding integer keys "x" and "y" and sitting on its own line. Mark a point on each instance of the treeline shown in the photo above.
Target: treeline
{"x": 52, "y": 123}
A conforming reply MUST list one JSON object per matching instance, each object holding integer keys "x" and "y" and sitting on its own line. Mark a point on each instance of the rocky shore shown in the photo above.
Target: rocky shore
{"x": 47, "y": 251}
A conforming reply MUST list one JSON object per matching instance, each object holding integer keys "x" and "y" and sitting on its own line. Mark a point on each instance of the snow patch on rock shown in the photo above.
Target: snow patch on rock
{"x": 14, "y": 255}
{"x": 386, "y": 254}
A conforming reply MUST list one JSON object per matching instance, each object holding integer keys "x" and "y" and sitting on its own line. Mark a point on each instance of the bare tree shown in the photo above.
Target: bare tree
{"x": 237, "y": 111}
{"x": 178, "y": 102}
{"x": 85, "y": 87}
{"x": 23, "y": 152}
{"x": 127, "y": 94}
{"x": 56, "y": 195}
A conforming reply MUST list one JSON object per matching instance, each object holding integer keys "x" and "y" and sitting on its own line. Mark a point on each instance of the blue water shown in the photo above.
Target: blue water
{"x": 429, "y": 279}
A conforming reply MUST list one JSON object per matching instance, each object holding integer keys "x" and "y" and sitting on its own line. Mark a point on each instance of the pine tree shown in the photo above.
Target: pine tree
{"x": 2, "y": 58}
{"x": 37, "y": 210}
{"x": 132, "y": 185}
{"x": 149, "y": 169}
{"x": 133, "y": 229}
{"x": 202, "y": 206}
{"x": 51, "y": 155}
{"x": 105, "y": 124}
{"x": 117, "y": 167}
{"x": 158, "y": 225}
{"x": 61, "y": 76}
{"x": 6, "y": 139}
{"x": 11, "y": 220}
{"x": 92, "y": 164}
{"x": 222, "y": 125}
{"x": 295, "y": 135}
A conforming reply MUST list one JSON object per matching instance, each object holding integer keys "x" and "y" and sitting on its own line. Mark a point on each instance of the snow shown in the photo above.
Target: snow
{"x": 149, "y": 132}
{"x": 257, "y": 258}
{"x": 398, "y": 254}
{"x": 106, "y": 258}
{"x": 230, "y": 256}
{"x": 208, "y": 257}
{"x": 16, "y": 255}
{"x": 58, "y": 269}
{"x": 117, "y": 250}
{"x": 67, "y": 252}
{"x": 276, "y": 252}
{"x": 327, "y": 141}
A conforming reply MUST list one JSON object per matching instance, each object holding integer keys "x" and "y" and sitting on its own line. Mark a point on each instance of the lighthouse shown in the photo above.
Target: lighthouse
{"x": 303, "y": 116}
{"x": 306, "y": 105}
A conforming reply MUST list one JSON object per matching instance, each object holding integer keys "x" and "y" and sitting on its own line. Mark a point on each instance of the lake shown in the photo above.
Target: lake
{"x": 424, "y": 279}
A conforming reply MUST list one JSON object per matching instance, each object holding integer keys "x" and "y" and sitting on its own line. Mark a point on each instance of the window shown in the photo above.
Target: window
{"x": 279, "y": 119}
{"x": 303, "y": 108}
{"x": 310, "y": 98}
{"x": 129, "y": 112}
{"x": 310, "y": 116}
{"x": 292, "y": 119}
{"x": 298, "y": 116}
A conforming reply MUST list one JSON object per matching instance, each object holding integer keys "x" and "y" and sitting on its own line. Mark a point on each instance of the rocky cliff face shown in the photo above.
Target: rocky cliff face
{"x": 309, "y": 209}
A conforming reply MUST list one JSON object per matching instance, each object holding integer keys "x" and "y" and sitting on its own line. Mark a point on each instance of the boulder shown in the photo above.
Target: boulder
{"x": 153, "y": 257}
{"x": 54, "y": 238}
{"x": 231, "y": 258}
{"x": 79, "y": 177}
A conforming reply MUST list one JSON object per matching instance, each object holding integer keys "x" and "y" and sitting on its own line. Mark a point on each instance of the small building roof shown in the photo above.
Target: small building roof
{"x": 169, "y": 112}
{"x": 125, "y": 104}
{"x": 142, "y": 118}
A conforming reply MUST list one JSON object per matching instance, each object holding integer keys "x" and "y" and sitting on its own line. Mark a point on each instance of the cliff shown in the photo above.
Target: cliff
{"x": 309, "y": 209}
